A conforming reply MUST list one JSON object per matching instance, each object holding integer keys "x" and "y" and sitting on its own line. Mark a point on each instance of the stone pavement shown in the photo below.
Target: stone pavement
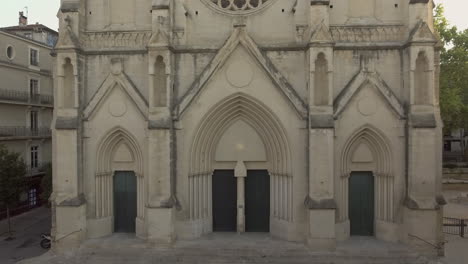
{"x": 28, "y": 228}
{"x": 231, "y": 248}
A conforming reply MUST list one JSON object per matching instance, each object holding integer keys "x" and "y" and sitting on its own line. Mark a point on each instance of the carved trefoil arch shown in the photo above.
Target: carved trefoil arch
{"x": 243, "y": 108}
{"x": 238, "y": 7}
{"x": 118, "y": 150}
{"x": 368, "y": 150}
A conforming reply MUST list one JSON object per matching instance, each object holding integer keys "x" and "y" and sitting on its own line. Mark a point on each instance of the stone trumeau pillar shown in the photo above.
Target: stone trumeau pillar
{"x": 424, "y": 202}
{"x": 161, "y": 199}
{"x": 69, "y": 218}
{"x": 321, "y": 199}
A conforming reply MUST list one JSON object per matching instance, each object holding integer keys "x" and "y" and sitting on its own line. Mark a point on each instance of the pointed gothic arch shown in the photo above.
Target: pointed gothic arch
{"x": 378, "y": 160}
{"x": 118, "y": 149}
{"x": 240, "y": 107}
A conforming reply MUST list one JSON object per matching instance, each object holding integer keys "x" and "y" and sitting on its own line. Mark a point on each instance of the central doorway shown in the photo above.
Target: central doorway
{"x": 361, "y": 203}
{"x": 125, "y": 201}
{"x": 257, "y": 201}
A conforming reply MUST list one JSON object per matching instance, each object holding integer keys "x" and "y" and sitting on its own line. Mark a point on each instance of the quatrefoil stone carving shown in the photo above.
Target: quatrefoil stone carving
{"x": 239, "y": 6}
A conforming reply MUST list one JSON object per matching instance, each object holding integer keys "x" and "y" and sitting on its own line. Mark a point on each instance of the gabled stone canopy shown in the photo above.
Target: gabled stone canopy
{"x": 364, "y": 77}
{"x": 240, "y": 37}
{"x": 117, "y": 77}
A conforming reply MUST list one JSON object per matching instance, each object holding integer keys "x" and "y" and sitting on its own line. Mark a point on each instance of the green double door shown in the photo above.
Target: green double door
{"x": 257, "y": 201}
{"x": 125, "y": 201}
{"x": 361, "y": 203}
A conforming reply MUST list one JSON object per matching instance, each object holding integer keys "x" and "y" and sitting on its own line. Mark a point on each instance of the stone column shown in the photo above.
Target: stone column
{"x": 68, "y": 199}
{"x": 240, "y": 173}
{"x": 424, "y": 200}
{"x": 161, "y": 199}
{"x": 320, "y": 200}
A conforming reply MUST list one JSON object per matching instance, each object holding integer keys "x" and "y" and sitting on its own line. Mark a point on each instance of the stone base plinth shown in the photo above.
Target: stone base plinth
{"x": 160, "y": 225}
{"x": 70, "y": 227}
{"x": 322, "y": 233}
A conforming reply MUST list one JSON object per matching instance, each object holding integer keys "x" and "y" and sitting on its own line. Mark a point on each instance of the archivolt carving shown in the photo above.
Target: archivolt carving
{"x": 381, "y": 165}
{"x": 238, "y": 6}
{"x": 208, "y": 134}
{"x": 105, "y": 171}
{"x": 368, "y": 33}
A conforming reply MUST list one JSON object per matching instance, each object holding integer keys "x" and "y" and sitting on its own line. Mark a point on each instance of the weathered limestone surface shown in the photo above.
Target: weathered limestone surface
{"x": 174, "y": 90}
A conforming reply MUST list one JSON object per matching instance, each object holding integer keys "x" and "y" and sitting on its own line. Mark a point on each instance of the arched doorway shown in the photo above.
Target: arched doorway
{"x": 120, "y": 182}
{"x": 366, "y": 189}
{"x": 240, "y": 130}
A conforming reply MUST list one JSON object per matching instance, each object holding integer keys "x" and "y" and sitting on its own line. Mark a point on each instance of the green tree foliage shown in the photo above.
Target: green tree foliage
{"x": 453, "y": 72}
{"x": 12, "y": 180}
{"x": 46, "y": 182}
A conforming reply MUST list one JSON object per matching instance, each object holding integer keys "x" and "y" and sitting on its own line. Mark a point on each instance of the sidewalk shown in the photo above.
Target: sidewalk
{"x": 28, "y": 228}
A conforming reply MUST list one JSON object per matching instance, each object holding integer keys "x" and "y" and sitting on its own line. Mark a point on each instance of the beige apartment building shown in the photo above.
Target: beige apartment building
{"x": 26, "y": 99}
{"x": 311, "y": 120}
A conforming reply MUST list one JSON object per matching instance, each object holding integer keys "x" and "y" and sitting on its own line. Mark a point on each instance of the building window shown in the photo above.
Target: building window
{"x": 34, "y": 157}
{"x": 34, "y": 121}
{"x": 10, "y": 52}
{"x": 28, "y": 35}
{"x": 34, "y": 57}
{"x": 33, "y": 89}
{"x": 32, "y": 197}
{"x": 447, "y": 145}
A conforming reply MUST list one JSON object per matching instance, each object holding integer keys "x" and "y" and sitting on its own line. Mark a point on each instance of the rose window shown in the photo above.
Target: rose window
{"x": 239, "y": 6}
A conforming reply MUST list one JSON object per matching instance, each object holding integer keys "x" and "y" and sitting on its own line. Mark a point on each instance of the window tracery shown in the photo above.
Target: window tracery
{"x": 239, "y": 5}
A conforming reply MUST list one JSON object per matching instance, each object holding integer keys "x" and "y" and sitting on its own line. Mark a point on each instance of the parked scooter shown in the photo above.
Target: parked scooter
{"x": 46, "y": 241}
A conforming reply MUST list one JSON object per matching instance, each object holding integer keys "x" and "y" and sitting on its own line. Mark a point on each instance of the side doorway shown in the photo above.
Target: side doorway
{"x": 361, "y": 203}
{"x": 125, "y": 201}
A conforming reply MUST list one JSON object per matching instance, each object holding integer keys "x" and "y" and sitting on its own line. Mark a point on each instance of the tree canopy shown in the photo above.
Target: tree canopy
{"x": 12, "y": 177}
{"x": 453, "y": 72}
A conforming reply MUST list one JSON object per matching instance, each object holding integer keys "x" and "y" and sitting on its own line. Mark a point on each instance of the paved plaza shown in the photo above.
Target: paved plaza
{"x": 28, "y": 228}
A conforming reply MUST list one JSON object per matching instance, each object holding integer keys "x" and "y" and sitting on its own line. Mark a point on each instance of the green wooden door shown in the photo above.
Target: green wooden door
{"x": 361, "y": 203}
{"x": 224, "y": 192}
{"x": 257, "y": 201}
{"x": 125, "y": 201}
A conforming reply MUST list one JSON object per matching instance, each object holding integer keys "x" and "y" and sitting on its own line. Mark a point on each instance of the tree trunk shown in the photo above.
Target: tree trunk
{"x": 9, "y": 221}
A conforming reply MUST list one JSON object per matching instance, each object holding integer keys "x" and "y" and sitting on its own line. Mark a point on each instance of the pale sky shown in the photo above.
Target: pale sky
{"x": 45, "y": 11}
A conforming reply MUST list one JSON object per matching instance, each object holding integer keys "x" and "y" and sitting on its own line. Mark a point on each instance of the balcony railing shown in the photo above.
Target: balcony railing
{"x": 25, "y": 97}
{"x": 7, "y": 131}
{"x": 30, "y": 171}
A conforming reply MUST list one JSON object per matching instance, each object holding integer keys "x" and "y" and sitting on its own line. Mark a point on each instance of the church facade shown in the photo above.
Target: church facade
{"x": 312, "y": 120}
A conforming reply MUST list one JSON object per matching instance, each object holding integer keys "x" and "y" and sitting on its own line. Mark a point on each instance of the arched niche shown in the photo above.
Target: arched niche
{"x": 159, "y": 83}
{"x": 117, "y": 151}
{"x": 321, "y": 92}
{"x": 68, "y": 88}
{"x": 242, "y": 112}
{"x": 422, "y": 93}
{"x": 368, "y": 150}
{"x": 240, "y": 142}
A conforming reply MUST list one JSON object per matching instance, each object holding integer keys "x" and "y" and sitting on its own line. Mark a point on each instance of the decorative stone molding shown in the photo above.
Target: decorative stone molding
{"x": 322, "y": 121}
{"x": 380, "y": 164}
{"x": 104, "y": 171}
{"x": 66, "y": 123}
{"x": 238, "y": 7}
{"x": 423, "y": 121}
{"x": 212, "y": 128}
{"x": 358, "y": 34}
{"x": 320, "y": 204}
{"x": 112, "y": 40}
{"x": 74, "y": 202}
{"x": 240, "y": 37}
